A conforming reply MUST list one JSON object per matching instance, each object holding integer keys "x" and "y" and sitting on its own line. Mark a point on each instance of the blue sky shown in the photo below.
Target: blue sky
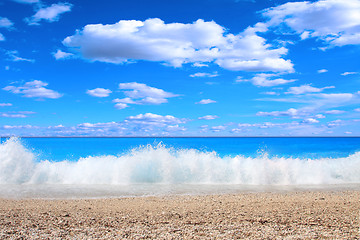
{"x": 180, "y": 68}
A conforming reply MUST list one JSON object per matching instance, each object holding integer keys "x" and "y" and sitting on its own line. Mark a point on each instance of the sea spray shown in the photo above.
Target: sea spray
{"x": 165, "y": 165}
{"x": 16, "y": 162}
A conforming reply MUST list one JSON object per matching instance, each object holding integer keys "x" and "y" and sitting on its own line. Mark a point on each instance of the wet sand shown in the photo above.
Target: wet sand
{"x": 288, "y": 215}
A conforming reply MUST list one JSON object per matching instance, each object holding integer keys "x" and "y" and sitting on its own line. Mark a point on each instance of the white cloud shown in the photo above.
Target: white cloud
{"x": 303, "y": 89}
{"x": 120, "y": 106}
{"x": 5, "y": 104}
{"x": 336, "y": 22}
{"x": 5, "y": 22}
{"x": 298, "y": 113}
{"x": 292, "y": 112}
{"x": 202, "y": 74}
{"x": 265, "y": 80}
{"x": 321, "y": 101}
{"x": 141, "y": 90}
{"x": 154, "y": 119}
{"x": 62, "y": 55}
{"x": 218, "y": 128}
{"x": 176, "y": 44}
{"x": 334, "y": 112}
{"x": 334, "y": 123}
{"x": 322, "y": 71}
{"x": 206, "y": 101}
{"x": 357, "y": 110}
{"x": 200, "y": 64}
{"x": 208, "y": 117}
{"x": 50, "y": 14}
{"x": 211, "y": 83}
{"x": 12, "y": 115}
{"x": 310, "y": 120}
{"x": 240, "y": 79}
{"x": 270, "y": 93}
{"x": 13, "y": 56}
{"x": 34, "y": 89}
{"x": 19, "y": 127}
{"x": 99, "y": 92}
{"x": 2, "y": 38}
{"x": 320, "y": 116}
{"x": 336, "y": 99}
{"x": 349, "y": 73}
{"x": 147, "y": 124}
{"x": 124, "y": 100}
{"x": 140, "y": 93}
{"x": 19, "y": 114}
{"x": 27, "y": 1}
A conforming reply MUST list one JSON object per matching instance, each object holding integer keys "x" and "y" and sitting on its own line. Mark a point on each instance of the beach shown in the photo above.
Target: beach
{"x": 265, "y": 215}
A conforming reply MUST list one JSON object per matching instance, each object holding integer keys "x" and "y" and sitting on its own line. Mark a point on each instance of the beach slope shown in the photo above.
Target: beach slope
{"x": 287, "y": 215}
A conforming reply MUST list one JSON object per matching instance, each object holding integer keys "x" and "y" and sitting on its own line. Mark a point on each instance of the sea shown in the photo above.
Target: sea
{"x": 57, "y": 168}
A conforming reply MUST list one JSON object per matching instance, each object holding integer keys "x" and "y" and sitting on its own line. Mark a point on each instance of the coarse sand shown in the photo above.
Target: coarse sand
{"x": 287, "y": 215}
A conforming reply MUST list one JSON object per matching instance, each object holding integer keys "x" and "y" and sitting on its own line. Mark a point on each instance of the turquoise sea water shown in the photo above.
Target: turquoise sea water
{"x": 58, "y": 149}
{"x": 99, "y": 167}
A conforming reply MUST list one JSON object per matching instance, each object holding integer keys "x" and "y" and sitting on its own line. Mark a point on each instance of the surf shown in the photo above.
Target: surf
{"x": 159, "y": 164}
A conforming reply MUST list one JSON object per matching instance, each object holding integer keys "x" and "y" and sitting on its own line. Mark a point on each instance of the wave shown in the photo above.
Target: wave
{"x": 164, "y": 165}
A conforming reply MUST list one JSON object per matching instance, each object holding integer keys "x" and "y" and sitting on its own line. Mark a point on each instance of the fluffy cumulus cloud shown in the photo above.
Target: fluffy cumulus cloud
{"x": 206, "y": 101}
{"x": 208, "y": 117}
{"x": 303, "y": 89}
{"x": 49, "y": 14}
{"x": 265, "y": 80}
{"x": 99, "y": 92}
{"x": 335, "y": 22}
{"x": 34, "y": 89}
{"x": 142, "y": 94}
{"x": 62, "y": 55}
{"x": 176, "y": 44}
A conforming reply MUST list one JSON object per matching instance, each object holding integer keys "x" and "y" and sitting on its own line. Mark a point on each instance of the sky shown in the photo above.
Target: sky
{"x": 180, "y": 68}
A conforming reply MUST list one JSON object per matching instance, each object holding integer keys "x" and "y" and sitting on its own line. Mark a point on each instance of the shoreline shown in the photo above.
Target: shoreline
{"x": 105, "y": 191}
{"x": 275, "y": 215}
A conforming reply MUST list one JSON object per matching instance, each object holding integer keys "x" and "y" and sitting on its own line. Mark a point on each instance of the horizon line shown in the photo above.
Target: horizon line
{"x": 181, "y": 136}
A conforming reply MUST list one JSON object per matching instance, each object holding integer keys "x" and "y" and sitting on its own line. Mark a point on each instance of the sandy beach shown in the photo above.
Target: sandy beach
{"x": 288, "y": 215}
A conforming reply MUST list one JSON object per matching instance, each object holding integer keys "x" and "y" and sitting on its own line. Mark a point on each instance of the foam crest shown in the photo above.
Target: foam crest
{"x": 160, "y": 164}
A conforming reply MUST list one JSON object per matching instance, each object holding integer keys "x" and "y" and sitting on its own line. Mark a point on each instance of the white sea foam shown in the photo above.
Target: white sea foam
{"x": 163, "y": 165}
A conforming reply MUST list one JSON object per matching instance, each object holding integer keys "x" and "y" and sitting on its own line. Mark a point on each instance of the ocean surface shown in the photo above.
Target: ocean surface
{"x": 118, "y": 167}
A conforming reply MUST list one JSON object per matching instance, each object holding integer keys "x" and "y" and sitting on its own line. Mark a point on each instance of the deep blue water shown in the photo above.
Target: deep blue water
{"x": 57, "y": 149}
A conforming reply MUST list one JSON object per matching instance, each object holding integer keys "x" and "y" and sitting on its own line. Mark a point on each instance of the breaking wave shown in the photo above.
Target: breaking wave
{"x": 160, "y": 164}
